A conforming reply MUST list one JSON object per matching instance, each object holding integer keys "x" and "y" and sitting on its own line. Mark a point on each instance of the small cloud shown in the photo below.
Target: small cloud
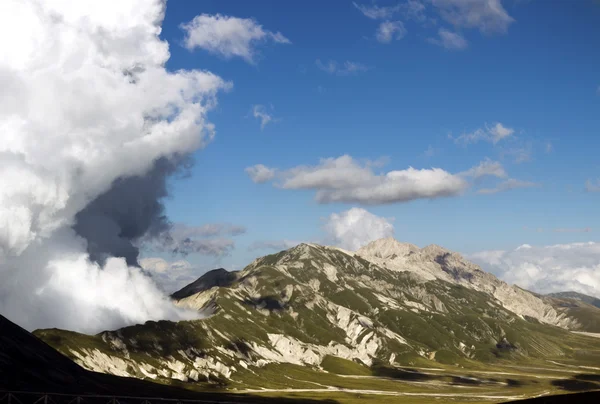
{"x": 549, "y": 147}
{"x": 376, "y": 12}
{"x": 507, "y": 186}
{"x": 430, "y": 152}
{"x": 449, "y": 40}
{"x": 228, "y": 36}
{"x": 592, "y": 186}
{"x": 390, "y": 30}
{"x": 341, "y": 69}
{"x": 260, "y": 112}
{"x": 486, "y": 168}
{"x": 260, "y": 174}
{"x": 486, "y": 15}
{"x": 493, "y": 134}
{"x": 356, "y": 227}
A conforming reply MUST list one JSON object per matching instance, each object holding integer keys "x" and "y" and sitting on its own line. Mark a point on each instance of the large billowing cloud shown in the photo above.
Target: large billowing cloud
{"x": 546, "y": 269}
{"x": 91, "y": 127}
{"x": 355, "y": 228}
{"x": 345, "y": 180}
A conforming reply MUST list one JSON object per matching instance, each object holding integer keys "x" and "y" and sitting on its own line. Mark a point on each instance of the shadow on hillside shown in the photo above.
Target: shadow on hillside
{"x": 240, "y": 346}
{"x": 270, "y": 303}
{"x": 581, "y": 382}
{"x": 413, "y": 375}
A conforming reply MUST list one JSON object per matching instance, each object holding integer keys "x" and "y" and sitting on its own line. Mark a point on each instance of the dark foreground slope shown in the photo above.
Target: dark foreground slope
{"x": 29, "y": 365}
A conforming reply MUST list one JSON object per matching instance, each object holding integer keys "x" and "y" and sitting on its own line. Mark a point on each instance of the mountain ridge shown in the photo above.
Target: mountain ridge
{"x": 309, "y": 303}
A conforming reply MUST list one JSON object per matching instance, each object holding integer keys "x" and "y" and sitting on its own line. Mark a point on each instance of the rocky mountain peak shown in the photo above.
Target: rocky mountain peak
{"x": 387, "y": 248}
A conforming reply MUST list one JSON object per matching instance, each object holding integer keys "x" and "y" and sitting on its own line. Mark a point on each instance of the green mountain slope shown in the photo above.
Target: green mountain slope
{"x": 324, "y": 309}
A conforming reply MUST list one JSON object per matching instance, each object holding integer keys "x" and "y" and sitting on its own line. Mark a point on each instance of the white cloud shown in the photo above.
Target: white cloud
{"x": 486, "y": 168}
{"x": 260, "y": 112}
{"x": 390, "y": 30}
{"x": 171, "y": 276}
{"x": 449, "y": 40}
{"x": 493, "y": 134}
{"x": 355, "y": 228}
{"x": 119, "y": 112}
{"x": 376, "y": 12}
{"x": 260, "y": 173}
{"x": 228, "y": 36}
{"x": 549, "y": 147}
{"x": 488, "y": 16}
{"x": 341, "y": 69}
{"x": 507, "y": 185}
{"x": 343, "y": 179}
{"x": 592, "y": 186}
{"x": 547, "y": 269}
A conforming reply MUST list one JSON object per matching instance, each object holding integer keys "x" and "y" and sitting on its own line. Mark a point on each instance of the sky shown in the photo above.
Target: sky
{"x": 144, "y": 142}
{"x": 386, "y": 86}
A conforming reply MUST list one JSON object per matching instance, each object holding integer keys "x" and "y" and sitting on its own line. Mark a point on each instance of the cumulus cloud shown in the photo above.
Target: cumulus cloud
{"x": 547, "y": 269}
{"x": 488, "y": 16}
{"x": 390, "y": 30}
{"x": 343, "y": 179}
{"x": 493, "y": 134}
{"x": 507, "y": 185}
{"x": 277, "y": 245}
{"x": 346, "y": 68}
{"x": 449, "y": 40}
{"x": 121, "y": 125}
{"x": 260, "y": 173}
{"x": 261, "y": 113}
{"x": 228, "y": 36}
{"x": 592, "y": 186}
{"x": 356, "y": 227}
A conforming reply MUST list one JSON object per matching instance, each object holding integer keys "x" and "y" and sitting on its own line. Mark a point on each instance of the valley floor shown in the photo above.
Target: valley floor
{"x": 500, "y": 383}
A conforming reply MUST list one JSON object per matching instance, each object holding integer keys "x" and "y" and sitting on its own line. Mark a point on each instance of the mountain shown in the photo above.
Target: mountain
{"x": 585, "y": 310}
{"x": 388, "y": 304}
{"x": 594, "y": 301}
{"x": 28, "y": 365}
{"x": 216, "y": 278}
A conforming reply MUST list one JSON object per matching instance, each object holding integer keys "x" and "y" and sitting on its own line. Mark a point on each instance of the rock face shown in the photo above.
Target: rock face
{"x": 389, "y": 302}
{"x": 435, "y": 262}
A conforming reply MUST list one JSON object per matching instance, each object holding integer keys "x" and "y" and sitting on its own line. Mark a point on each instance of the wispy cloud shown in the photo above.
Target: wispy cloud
{"x": 346, "y": 68}
{"x": 507, "y": 185}
{"x": 592, "y": 186}
{"x": 449, "y": 40}
{"x": 493, "y": 134}
{"x": 228, "y": 36}
{"x": 390, "y": 30}
{"x": 488, "y": 16}
{"x": 261, "y": 113}
{"x": 376, "y": 12}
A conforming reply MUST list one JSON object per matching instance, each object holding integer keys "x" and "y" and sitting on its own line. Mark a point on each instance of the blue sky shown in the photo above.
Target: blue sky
{"x": 409, "y": 98}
